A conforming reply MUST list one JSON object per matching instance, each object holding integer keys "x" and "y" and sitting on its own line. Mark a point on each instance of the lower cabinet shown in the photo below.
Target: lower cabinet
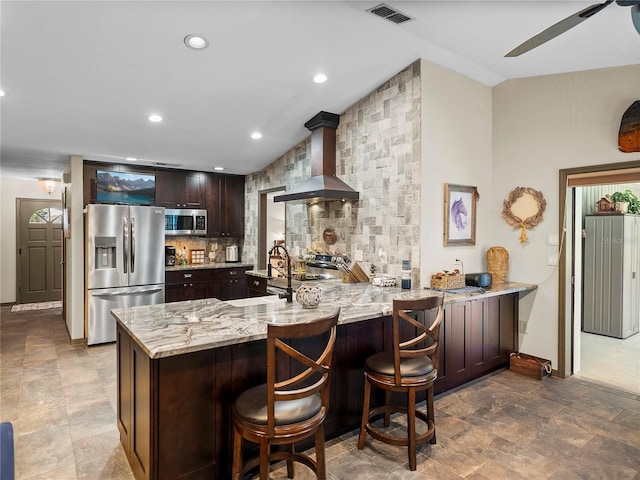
{"x": 228, "y": 283}
{"x": 175, "y": 413}
{"x": 479, "y": 336}
{"x": 135, "y": 405}
{"x": 256, "y": 286}
{"x": 220, "y": 283}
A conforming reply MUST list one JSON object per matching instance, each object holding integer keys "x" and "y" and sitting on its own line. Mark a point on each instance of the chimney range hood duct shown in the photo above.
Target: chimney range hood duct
{"x": 323, "y": 184}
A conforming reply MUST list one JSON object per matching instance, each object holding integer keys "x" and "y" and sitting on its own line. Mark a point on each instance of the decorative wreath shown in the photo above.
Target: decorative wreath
{"x": 516, "y": 221}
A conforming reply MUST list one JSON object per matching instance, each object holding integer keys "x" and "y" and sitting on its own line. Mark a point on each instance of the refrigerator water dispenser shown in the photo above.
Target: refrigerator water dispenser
{"x": 105, "y": 252}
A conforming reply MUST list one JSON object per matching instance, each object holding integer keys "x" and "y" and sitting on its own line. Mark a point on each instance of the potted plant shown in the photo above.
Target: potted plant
{"x": 628, "y": 197}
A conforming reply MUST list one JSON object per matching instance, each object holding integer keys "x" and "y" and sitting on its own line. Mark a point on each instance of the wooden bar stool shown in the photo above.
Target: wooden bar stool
{"x": 411, "y": 367}
{"x": 286, "y": 410}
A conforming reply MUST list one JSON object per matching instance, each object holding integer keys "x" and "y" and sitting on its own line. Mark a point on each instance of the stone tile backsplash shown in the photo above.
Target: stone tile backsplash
{"x": 378, "y": 154}
{"x": 218, "y": 245}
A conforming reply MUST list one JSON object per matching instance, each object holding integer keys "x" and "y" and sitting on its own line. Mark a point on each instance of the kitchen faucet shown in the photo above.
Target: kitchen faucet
{"x": 289, "y": 294}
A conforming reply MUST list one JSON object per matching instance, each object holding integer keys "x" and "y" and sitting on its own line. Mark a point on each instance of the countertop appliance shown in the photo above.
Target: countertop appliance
{"x": 184, "y": 221}
{"x": 231, "y": 254}
{"x": 169, "y": 256}
{"x": 482, "y": 279}
{"x": 125, "y": 263}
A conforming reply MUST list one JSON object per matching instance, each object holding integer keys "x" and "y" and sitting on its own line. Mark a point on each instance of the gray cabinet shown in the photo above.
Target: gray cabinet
{"x": 611, "y": 267}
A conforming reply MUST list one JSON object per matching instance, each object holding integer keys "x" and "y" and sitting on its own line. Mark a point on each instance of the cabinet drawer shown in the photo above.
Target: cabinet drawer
{"x": 257, "y": 284}
{"x": 229, "y": 273}
{"x": 182, "y": 276}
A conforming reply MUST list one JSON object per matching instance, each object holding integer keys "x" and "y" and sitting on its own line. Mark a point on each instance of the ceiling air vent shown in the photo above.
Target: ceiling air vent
{"x": 385, "y": 11}
{"x": 165, "y": 164}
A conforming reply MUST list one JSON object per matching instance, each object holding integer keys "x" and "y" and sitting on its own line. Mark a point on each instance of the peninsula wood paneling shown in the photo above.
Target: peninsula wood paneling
{"x": 175, "y": 413}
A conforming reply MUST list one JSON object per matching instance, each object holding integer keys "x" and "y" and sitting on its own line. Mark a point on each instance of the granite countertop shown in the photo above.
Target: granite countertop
{"x": 176, "y": 328}
{"x": 190, "y": 266}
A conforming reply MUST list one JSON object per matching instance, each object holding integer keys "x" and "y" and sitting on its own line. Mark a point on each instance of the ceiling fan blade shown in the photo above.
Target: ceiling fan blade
{"x": 635, "y": 16}
{"x": 559, "y": 28}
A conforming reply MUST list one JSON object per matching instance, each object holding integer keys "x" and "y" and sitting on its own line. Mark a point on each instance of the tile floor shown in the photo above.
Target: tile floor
{"x": 61, "y": 400}
{"x": 611, "y": 361}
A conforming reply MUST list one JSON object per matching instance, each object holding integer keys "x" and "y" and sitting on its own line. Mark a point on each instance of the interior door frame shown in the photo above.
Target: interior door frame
{"x": 262, "y": 224}
{"x": 565, "y": 308}
{"x": 52, "y": 203}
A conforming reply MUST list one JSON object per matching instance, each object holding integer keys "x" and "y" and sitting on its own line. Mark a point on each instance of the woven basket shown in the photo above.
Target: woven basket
{"x": 498, "y": 264}
{"x": 447, "y": 281}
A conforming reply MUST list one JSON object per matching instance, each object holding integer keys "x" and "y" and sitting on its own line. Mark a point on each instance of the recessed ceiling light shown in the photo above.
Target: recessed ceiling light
{"x": 219, "y": 169}
{"x": 131, "y": 159}
{"x": 195, "y": 41}
{"x": 1, "y": 93}
{"x": 256, "y": 135}
{"x": 155, "y": 118}
{"x": 320, "y": 78}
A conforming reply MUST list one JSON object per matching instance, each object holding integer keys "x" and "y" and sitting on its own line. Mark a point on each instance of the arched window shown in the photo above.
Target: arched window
{"x": 46, "y": 215}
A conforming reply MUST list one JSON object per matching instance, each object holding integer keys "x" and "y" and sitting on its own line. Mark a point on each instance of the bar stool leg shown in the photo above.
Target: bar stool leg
{"x": 365, "y": 413}
{"x": 264, "y": 458}
{"x": 411, "y": 427}
{"x": 237, "y": 456}
{"x": 320, "y": 454}
{"x": 290, "y": 465}
{"x": 387, "y": 408}
{"x": 431, "y": 413}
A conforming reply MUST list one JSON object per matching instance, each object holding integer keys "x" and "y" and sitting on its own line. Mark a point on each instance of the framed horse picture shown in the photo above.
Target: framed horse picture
{"x": 459, "y": 214}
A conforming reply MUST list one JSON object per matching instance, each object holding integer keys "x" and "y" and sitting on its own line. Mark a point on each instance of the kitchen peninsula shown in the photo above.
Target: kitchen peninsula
{"x": 181, "y": 365}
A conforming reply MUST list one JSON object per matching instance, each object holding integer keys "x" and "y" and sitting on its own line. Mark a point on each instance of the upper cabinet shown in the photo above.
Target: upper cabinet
{"x": 180, "y": 189}
{"x": 225, "y": 205}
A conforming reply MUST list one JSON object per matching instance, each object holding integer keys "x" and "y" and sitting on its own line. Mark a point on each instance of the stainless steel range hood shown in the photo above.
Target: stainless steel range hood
{"x": 323, "y": 184}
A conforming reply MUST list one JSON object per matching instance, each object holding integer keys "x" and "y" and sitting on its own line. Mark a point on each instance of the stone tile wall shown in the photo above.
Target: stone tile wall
{"x": 378, "y": 154}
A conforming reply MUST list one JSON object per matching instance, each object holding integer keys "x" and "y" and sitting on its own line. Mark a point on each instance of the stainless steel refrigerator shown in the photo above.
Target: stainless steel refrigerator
{"x": 124, "y": 264}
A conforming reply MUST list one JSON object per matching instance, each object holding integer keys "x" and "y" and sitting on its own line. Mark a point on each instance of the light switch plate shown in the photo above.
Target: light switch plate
{"x": 552, "y": 259}
{"x": 553, "y": 239}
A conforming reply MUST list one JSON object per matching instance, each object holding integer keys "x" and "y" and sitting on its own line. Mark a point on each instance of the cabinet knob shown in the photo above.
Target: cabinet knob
{"x": 233, "y": 273}
{"x": 256, "y": 283}
{"x": 188, "y": 275}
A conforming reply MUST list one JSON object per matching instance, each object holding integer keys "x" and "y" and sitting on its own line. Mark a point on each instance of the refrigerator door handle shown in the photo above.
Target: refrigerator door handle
{"x": 133, "y": 245}
{"x": 128, "y": 293}
{"x": 125, "y": 243}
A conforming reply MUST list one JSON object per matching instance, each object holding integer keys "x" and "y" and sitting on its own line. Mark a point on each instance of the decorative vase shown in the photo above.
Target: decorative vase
{"x": 498, "y": 264}
{"x": 309, "y": 295}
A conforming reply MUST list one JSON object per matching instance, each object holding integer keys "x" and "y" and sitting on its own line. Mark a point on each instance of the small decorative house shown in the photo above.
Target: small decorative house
{"x": 606, "y": 205}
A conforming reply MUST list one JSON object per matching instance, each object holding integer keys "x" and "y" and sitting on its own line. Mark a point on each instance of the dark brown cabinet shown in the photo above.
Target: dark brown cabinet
{"x": 134, "y": 404}
{"x": 225, "y": 205}
{"x": 479, "y": 336}
{"x": 229, "y": 283}
{"x": 180, "y": 189}
{"x": 256, "y": 286}
{"x": 220, "y": 283}
{"x": 186, "y": 285}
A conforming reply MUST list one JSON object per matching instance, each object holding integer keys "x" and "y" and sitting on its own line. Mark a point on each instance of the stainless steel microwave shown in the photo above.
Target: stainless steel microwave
{"x": 184, "y": 221}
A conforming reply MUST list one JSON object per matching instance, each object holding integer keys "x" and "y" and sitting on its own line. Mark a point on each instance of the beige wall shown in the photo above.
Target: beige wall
{"x": 456, "y": 149}
{"x": 12, "y": 188}
{"x": 74, "y": 296}
{"x": 541, "y": 125}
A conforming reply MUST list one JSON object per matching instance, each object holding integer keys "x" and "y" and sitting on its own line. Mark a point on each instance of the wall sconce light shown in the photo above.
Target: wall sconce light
{"x": 48, "y": 184}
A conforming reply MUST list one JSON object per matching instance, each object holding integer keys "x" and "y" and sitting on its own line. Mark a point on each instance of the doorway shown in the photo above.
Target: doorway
{"x": 39, "y": 250}
{"x": 572, "y": 352}
{"x": 272, "y": 223}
